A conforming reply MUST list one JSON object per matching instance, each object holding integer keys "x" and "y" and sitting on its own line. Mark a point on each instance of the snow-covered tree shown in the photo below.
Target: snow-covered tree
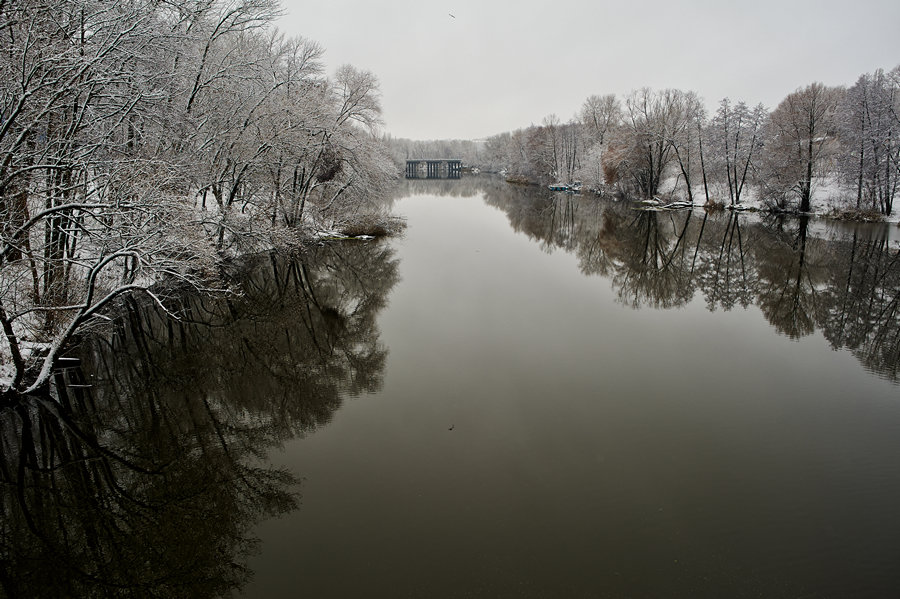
{"x": 599, "y": 115}
{"x": 870, "y": 140}
{"x": 800, "y": 143}
{"x": 735, "y": 142}
{"x": 685, "y": 139}
{"x": 139, "y": 140}
{"x": 654, "y": 120}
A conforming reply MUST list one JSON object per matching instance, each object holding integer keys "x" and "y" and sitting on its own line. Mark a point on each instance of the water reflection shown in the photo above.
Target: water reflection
{"x": 804, "y": 275}
{"x": 464, "y": 187}
{"x": 147, "y": 475}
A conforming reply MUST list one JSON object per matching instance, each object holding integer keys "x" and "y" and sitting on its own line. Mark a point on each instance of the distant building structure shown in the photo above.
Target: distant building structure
{"x": 433, "y": 169}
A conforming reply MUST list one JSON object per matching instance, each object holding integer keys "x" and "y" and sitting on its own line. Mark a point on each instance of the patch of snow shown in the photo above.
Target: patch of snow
{"x": 6, "y": 375}
{"x": 337, "y": 235}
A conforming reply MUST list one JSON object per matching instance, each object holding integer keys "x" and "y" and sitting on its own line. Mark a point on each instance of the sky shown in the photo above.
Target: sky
{"x": 468, "y": 69}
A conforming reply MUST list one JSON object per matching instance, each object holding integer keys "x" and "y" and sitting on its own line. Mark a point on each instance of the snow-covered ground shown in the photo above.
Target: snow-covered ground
{"x": 828, "y": 197}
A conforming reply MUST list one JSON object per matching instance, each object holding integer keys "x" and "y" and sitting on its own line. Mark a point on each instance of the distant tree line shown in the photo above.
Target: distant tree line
{"x": 144, "y": 140}
{"x": 665, "y": 143}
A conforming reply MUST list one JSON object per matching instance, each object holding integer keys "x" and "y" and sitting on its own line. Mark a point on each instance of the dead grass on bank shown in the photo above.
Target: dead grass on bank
{"x": 373, "y": 225}
{"x": 714, "y": 206}
{"x": 857, "y": 215}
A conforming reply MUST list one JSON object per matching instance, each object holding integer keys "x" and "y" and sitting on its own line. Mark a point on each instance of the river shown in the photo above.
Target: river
{"x": 528, "y": 394}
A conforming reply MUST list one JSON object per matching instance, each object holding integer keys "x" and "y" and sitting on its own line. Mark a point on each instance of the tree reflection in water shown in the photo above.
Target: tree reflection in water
{"x": 146, "y": 476}
{"x": 844, "y": 284}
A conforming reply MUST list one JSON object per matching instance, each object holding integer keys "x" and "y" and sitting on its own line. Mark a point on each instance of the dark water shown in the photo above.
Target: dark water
{"x": 528, "y": 395}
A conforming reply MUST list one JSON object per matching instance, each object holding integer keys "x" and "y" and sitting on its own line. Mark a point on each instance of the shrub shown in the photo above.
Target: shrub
{"x": 712, "y": 205}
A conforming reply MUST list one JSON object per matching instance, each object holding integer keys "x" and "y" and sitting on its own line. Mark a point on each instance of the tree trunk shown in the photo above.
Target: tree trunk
{"x": 806, "y": 186}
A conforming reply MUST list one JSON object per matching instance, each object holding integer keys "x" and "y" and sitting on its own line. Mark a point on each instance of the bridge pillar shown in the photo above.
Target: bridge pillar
{"x": 434, "y": 169}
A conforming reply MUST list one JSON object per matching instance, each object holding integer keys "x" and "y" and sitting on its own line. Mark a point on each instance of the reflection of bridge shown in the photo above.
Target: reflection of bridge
{"x": 433, "y": 169}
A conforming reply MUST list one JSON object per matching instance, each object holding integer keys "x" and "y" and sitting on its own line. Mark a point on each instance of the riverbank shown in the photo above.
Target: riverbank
{"x": 830, "y": 202}
{"x": 34, "y": 348}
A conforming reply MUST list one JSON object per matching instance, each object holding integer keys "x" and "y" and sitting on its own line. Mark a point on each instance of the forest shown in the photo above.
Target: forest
{"x": 145, "y": 142}
{"x": 835, "y": 145}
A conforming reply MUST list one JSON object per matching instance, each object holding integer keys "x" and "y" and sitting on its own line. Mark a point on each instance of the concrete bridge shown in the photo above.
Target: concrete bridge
{"x": 433, "y": 169}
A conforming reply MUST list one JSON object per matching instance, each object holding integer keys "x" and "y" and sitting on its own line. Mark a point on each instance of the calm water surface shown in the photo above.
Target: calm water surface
{"x": 585, "y": 406}
{"x": 528, "y": 395}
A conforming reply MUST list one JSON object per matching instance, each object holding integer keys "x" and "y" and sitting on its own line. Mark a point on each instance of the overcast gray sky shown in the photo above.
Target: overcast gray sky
{"x": 501, "y": 65}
